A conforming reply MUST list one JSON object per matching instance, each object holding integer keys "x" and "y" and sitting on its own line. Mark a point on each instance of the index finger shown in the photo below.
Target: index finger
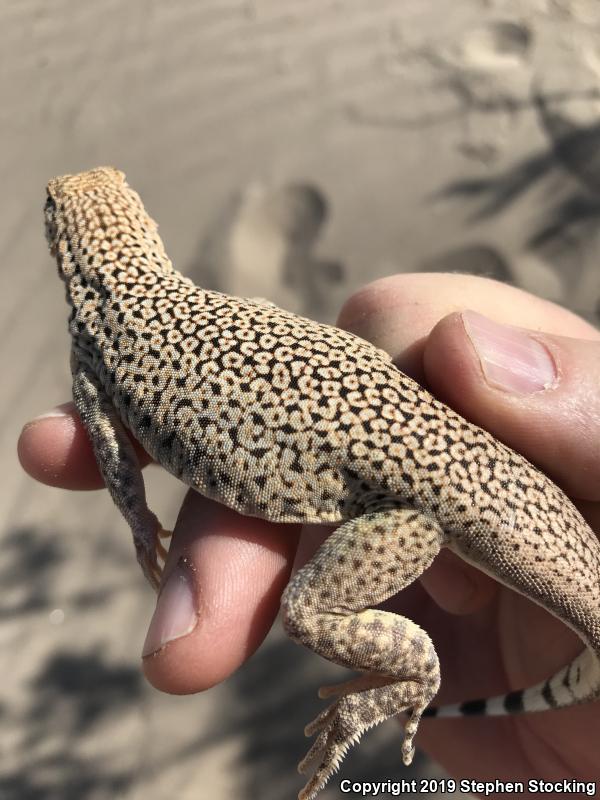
{"x": 55, "y": 449}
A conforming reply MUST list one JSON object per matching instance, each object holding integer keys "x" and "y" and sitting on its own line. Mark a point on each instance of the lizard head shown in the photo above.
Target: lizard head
{"x": 66, "y": 186}
{"x": 65, "y": 201}
{"x": 91, "y": 220}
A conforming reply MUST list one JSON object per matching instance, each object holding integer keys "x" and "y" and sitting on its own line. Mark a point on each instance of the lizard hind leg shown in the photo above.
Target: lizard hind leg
{"x": 327, "y": 608}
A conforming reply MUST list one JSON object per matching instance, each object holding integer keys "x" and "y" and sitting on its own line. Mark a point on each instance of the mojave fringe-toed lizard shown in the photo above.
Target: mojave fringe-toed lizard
{"x": 287, "y": 419}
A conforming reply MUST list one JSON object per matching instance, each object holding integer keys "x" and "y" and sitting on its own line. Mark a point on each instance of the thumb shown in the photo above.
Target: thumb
{"x": 537, "y": 392}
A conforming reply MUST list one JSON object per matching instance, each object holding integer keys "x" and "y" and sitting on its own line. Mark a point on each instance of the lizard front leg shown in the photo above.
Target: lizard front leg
{"x": 119, "y": 467}
{"x": 325, "y": 607}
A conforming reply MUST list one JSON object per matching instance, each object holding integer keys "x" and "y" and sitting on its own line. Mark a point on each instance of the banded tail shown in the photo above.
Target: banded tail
{"x": 576, "y": 683}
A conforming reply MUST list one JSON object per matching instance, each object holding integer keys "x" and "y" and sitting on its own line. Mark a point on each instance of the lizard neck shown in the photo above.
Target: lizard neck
{"x": 104, "y": 283}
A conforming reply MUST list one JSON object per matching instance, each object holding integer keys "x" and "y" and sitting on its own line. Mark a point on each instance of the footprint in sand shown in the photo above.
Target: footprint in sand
{"x": 498, "y": 45}
{"x": 266, "y": 248}
{"x": 488, "y": 69}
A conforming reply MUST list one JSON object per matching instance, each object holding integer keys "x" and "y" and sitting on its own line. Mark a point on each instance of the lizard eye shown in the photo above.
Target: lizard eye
{"x": 50, "y": 223}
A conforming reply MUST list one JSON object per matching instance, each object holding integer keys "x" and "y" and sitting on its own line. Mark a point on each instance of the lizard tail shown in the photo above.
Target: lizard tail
{"x": 576, "y": 683}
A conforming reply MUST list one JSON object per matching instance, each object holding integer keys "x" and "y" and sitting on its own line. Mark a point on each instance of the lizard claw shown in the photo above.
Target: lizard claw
{"x": 343, "y": 723}
{"x": 160, "y": 548}
{"x": 410, "y": 728}
{"x": 149, "y": 555}
{"x": 151, "y": 570}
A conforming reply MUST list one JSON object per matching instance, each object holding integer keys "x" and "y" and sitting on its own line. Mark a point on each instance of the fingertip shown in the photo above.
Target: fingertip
{"x": 379, "y": 314}
{"x": 55, "y": 450}
{"x": 235, "y": 569}
{"x": 536, "y": 392}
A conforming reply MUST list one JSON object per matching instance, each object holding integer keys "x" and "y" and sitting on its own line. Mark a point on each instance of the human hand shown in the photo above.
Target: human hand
{"x": 493, "y": 640}
{"x": 228, "y": 572}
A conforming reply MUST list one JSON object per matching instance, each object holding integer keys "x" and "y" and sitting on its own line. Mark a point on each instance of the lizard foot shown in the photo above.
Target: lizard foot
{"x": 359, "y": 684}
{"x": 335, "y": 736}
{"x": 363, "y": 702}
{"x": 151, "y": 569}
{"x": 161, "y": 550}
{"x": 152, "y": 556}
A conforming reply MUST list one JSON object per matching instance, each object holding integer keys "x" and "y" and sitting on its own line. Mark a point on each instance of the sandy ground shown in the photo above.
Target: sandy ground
{"x": 293, "y": 150}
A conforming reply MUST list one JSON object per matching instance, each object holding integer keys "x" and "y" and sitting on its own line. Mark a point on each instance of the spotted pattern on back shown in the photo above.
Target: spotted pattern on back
{"x": 274, "y": 414}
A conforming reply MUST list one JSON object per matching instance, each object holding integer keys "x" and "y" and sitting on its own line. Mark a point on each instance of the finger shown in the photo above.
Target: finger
{"x": 457, "y": 587}
{"x": 220, "y": 594}
{"x": 311, "y": 538}
{"x": 537, "y": 392}
{"x": 55, "y": 449}
{"x": 237, "y": 566}
{"x": 398, "y": 313}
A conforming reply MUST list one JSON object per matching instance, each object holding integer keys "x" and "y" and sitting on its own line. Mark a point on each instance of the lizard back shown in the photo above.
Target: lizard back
{"x": 281, "y": 417}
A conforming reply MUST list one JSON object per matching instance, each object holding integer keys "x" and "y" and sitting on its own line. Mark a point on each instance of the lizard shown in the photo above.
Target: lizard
{"x": 294, "y": 421}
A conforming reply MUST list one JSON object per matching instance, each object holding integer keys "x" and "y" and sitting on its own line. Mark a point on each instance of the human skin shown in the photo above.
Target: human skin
{"x": 490, "y": 640}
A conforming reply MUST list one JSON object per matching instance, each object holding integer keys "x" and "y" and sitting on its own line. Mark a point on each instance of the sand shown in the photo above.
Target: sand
{"x": 292, "y": 150}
